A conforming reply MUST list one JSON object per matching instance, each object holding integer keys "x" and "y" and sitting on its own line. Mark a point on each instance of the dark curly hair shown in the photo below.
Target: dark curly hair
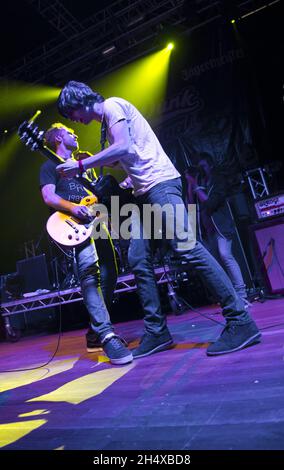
{"x": 75, "y": 95}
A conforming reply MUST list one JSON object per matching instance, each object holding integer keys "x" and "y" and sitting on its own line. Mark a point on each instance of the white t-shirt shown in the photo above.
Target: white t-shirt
{"x": 146, "y": 164}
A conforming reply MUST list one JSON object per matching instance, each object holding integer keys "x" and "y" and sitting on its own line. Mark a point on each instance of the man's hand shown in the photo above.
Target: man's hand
{"x": 191, "y": 181}
{"x": 68, "y": 169}
{"x": 81, "y": 212}
{"x": 126, "y": 184}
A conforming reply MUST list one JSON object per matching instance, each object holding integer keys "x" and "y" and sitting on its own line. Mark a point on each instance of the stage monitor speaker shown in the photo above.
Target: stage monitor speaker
{"x": 269, "y": 244}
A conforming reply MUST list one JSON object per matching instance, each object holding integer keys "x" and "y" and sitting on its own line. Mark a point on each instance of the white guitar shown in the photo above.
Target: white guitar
{"x": 68, "y": 230}
{"x": 62, "y": 227}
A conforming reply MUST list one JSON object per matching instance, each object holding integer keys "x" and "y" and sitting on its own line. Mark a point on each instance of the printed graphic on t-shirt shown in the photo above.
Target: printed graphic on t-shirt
{"x": 67, "y": 188}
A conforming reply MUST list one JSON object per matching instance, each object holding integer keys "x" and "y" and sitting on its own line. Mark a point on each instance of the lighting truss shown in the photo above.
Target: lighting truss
{"x": 128, "y": 28}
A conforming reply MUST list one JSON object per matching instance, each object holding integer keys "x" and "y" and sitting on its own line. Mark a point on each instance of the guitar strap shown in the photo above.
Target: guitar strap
{"x": 103, "y": 140}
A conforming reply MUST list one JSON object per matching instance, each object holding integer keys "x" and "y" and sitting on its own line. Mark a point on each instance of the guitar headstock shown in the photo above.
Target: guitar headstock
{"x": 30, "y": 134}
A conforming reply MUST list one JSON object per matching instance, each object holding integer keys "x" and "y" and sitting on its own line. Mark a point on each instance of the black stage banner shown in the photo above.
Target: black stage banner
{"x": 211, "y": 105}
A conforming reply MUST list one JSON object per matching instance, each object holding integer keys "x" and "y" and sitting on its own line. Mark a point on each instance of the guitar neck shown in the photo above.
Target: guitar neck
{"x": 57, "y": 159}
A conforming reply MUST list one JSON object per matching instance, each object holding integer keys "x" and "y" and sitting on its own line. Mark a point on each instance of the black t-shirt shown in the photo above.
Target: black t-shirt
{"x": 67, "y": 188}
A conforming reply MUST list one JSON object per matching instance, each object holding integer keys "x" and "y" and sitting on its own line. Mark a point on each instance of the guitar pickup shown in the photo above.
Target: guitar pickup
{"x": 70, "y": 223}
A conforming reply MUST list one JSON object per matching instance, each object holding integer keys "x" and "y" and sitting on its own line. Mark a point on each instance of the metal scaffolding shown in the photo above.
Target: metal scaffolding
{"x": 58, "y": 16}
{"x": 127, "y": 28}
{"x": 82, "y": 50}
{"x": 125, "y": 283}
{"x": 257, "y": 182}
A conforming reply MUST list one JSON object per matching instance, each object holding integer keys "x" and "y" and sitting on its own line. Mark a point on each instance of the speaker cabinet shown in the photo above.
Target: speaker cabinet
{"x": 268, "y": 239}
{"x": 35, "y": 273}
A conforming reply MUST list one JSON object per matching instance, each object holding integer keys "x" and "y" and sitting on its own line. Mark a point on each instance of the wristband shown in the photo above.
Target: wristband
{"x": 81, "y": 167}
{"x": 198, "y": 188}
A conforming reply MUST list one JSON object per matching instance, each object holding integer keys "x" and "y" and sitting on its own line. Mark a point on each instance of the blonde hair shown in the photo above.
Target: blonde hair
{"x": 53, "y": 132}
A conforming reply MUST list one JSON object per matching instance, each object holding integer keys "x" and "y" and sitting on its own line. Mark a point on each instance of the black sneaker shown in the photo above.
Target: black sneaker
{"x": 234, "y": 337}
{"x": 93, "y": 342}
{"x": 151, "y": 344}
{"x": 116, "y": 350}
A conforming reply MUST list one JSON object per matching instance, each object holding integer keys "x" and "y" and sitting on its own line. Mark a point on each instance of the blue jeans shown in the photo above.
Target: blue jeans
{"x": 98, "y": 274}
{"x": 221, "y": 248}
{"x": 196, "y": 256}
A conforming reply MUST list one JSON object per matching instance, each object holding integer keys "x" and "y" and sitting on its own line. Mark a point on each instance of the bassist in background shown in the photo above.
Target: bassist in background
{"x": 95, "y": 260}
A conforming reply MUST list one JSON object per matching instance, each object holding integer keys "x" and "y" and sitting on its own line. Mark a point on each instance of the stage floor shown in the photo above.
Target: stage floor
{"x": 177, "y": 399}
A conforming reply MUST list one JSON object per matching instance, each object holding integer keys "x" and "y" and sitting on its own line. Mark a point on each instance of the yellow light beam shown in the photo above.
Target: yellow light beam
{"x": 12, "y": 380}
{"x": 8, "y": 150}
{"x": 86, "y": 387}
{"x": 12, "y": 432}
{"x": 17, "y": 96}
{"x": 142, "y": 82}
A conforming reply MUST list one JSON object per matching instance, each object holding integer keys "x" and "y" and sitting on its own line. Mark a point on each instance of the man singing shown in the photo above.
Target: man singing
{"x": 155, "y": 180}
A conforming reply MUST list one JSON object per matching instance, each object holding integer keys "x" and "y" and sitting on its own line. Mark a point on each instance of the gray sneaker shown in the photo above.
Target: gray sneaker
{"x": 151, "y": 344}
{"x": 116, "y": 350}
{"x": 234, "y": 337}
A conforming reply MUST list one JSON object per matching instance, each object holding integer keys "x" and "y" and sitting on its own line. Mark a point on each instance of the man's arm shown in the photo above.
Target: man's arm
{"x": 58, "y": 203}
{"x": 218, "y": 194}
{"x": 194, "y": 189}
{"x": 119, "y": 136}
{"x": 201, "y": 195}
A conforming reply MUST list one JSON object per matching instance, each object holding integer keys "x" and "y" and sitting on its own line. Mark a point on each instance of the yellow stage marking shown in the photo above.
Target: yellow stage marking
{"x": 86, "y": 387}
{"x": 103, "y": 359}
{"x": 13, "y": 380}
{"x": 34, "y": 413}
{"x": 12, "y": 432}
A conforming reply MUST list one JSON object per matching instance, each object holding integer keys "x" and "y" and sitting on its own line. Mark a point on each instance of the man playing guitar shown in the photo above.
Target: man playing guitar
{"x": 95, "y": 260}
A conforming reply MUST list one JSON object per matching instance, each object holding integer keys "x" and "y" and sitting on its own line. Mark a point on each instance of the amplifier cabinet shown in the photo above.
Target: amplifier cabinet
{"x": 268, "y": 239}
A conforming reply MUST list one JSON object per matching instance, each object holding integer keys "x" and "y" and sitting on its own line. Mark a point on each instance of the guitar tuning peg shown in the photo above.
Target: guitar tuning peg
{"x": 34, "y": 147}
{"x": 29, "y": 141}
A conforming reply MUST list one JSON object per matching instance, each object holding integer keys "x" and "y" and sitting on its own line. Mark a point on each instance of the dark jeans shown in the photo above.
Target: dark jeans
{"x": 197, "y": 257}
{"x": 98, "y": 274}
{"x": 221, "y": 248}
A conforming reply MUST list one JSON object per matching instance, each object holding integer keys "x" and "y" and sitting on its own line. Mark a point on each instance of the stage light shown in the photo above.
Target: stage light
{"x": 170, "y": 46}
{"x": 142, "y": 82}
{"x": 136, "y": 20}
{"x": 109, "y": 50}
{"x": 233, "y": 21}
